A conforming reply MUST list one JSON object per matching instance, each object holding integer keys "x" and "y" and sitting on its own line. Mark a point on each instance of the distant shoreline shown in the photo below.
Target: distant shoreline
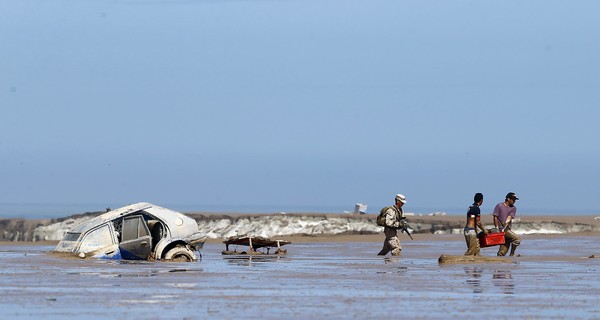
{"x": 306, "y": 226}
{"x": 57, "y": 211}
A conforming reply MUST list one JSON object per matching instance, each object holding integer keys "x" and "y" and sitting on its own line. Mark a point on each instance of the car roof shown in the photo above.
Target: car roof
{"x": 180, "y": 224}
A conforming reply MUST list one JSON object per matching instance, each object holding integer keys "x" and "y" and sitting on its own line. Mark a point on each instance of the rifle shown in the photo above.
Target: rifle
{"x": 404, "y": 227}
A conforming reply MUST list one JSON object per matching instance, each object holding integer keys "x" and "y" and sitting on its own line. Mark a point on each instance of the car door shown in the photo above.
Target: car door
{"x": 136, "y": 242}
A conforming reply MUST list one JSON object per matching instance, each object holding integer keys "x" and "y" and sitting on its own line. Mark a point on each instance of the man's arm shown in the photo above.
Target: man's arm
{"x": 479, "y": 224}
{"x": 508, "y": 221}
{"x": 496, "y": 222}
{"x": 404, "y": 227}
{"x": 475, "y": 212}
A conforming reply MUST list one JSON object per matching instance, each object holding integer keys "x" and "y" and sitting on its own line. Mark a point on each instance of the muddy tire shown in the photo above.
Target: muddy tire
{"x": 180, "y": 254}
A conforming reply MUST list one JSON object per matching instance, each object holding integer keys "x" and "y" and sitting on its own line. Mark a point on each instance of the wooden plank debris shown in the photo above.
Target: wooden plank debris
{"x": 254, "y": 244}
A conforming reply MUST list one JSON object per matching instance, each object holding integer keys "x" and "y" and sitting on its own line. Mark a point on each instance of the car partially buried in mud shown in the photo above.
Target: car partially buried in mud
{"x": 140, "y": 231}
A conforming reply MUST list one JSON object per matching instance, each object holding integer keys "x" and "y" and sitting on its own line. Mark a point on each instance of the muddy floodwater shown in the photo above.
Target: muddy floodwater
{"x": 555, "y": 278}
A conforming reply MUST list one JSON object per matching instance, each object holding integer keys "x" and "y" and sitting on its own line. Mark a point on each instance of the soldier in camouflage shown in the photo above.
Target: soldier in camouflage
{"x": 393, "y": 222}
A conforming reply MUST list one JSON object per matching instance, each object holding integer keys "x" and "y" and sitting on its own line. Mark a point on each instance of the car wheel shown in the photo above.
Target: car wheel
{"x": 180, "y": 254}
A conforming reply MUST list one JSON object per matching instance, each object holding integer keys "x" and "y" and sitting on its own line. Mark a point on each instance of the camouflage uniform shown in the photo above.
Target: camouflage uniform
{"x": 392, "y": 223}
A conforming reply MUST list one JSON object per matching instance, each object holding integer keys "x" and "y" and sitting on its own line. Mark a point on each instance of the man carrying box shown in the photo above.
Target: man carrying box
{"x": 474, "y": 222}
{"x": 504, "y": 213}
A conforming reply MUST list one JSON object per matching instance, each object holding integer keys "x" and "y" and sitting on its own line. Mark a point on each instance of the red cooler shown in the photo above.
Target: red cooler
{"x": 491, "y": 239}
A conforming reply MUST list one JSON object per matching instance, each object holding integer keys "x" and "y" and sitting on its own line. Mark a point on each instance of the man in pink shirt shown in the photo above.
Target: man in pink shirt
{"x": 504, "y": 213}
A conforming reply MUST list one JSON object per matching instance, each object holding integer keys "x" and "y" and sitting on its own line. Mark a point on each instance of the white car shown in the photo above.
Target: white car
{"x": 140, "y": 231}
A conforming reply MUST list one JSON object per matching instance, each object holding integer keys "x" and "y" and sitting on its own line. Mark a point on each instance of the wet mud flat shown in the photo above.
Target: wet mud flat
{"x": 553, "y": 279}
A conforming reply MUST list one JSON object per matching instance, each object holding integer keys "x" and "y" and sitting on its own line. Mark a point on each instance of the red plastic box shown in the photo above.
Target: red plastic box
{"x": 491, "y": 239}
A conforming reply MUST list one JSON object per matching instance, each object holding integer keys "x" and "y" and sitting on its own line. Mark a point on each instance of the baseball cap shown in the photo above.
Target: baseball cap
{"x": 400, "y": 197}
{"x": 511, "y": 195}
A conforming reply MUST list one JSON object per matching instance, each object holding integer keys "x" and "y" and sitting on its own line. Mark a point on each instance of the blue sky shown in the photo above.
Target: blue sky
{"x": 298, "y": 105}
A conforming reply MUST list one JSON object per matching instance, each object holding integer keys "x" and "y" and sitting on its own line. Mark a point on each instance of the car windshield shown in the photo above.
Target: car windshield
{"x": 68, "y": 243}
{"x": 71, "y": 236}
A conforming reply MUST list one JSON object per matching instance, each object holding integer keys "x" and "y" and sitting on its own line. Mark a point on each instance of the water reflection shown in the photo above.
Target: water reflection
{"x": 251, "y": 260}
{"x": 393, "y": 266}
{"x": 474, "y": 278}
{"x": 503, "y": 279}
{"x": 387, "y": 260}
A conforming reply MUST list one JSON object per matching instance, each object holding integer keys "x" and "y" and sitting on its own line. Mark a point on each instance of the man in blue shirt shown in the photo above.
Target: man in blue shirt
{"x": 474, "y": 222}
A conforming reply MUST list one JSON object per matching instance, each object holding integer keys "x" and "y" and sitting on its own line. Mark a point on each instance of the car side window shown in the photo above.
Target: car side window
{"x": 142, "y": 229}
{"x": 134, "y": 228}
{"x": 96, "y": 239}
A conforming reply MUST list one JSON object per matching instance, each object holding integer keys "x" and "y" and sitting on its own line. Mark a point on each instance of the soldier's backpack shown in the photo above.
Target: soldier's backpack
{"x": 381, "y": 217}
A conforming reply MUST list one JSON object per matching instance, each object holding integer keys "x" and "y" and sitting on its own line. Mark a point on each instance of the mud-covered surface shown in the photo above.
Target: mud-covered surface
{"x": 474, "y": 259}
{"x": 553, "y": 279}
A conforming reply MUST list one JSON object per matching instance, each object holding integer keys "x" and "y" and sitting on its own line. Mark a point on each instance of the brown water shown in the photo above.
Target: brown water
{"x": 553, "y": 279}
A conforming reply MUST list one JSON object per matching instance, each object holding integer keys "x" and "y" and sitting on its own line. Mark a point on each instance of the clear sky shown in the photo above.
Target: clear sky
{"x": 299, "y": 105}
